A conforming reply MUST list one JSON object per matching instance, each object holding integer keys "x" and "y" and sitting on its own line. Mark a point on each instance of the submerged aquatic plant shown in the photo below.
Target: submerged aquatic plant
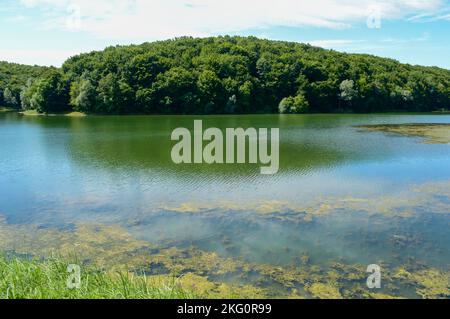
{"x": 120, "y": 266}
{"x": 431, "y": 133}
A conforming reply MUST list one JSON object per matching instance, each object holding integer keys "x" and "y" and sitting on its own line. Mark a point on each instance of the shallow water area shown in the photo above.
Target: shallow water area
{"x": 345, "y": 197}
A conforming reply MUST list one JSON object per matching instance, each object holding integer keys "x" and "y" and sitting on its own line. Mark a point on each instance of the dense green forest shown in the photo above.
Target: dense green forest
{"x": 14, "y": 79}
{"x": 225, "y": 75}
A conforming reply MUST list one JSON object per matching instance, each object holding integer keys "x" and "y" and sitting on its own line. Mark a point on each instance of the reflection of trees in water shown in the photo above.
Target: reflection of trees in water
{"x": 144, "y": 143}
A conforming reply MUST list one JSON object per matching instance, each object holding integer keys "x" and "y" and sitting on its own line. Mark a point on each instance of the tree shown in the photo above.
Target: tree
{"x": 14, "y": 77}
{"x": 348, "y": 91}
{"x": 114, "y": 95}
{"x": 245, "y": 97}
{"x": 231, "y": 105}
{"x": 51, "y": 93}
{"x": 210, "y": 90}
{"x": 225, "y": 75}
{"x": 26, "y": 94}
{"x": 145, "y": 101}
{"x": 294, "y": 105}
{"x": 143, "y": 69}
{"x": 175, "y": 91}
{"x": 10, "y": 98}
{"x": 83, "y": 96}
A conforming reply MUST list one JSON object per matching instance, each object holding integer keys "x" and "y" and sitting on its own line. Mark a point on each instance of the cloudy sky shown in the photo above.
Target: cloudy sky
{"x": 46, "y": 32}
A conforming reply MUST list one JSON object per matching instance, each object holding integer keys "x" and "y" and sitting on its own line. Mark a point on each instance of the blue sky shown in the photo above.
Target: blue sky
{"x": 46, "y": 32}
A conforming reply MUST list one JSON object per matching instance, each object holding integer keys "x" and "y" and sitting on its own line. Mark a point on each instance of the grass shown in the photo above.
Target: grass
{"x": 5, "y": 109}
{"x": 47, "y": 279}
{"x": 36, "y": 113}
{"x": 30, "y": 113}
{"x": 75, "y": 114}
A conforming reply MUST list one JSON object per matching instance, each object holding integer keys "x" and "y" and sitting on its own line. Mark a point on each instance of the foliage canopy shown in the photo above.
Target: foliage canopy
{"x": 225, "y": 75}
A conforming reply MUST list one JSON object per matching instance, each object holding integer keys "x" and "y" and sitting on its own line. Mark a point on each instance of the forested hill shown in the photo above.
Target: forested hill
{"x": 13, "y": 79}
{"x": 234, "y": 75}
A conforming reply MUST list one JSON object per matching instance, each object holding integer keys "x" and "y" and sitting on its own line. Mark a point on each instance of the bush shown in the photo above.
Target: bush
{"x": 294, "y": 105}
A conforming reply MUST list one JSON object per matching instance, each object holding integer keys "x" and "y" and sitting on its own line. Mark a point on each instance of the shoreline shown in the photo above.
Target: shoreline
{"x": 35, "y": 113}
{"x": 81, "y": 114}
{"x": 6, "y": 109}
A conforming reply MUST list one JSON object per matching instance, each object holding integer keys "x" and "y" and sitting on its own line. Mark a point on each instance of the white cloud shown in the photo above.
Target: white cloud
{"x": 160, "y": 19}
{"x": 443, "y": 14}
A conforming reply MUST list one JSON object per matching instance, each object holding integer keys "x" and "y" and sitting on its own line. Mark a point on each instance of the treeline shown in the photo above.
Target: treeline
{"x": 231, "y": 75}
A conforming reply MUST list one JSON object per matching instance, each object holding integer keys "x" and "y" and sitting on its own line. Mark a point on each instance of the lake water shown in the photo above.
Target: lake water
{"x": 342, "y": 193}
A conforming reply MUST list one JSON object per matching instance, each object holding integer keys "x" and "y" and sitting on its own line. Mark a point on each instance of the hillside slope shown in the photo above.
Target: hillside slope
{"x": 235, "y": 75}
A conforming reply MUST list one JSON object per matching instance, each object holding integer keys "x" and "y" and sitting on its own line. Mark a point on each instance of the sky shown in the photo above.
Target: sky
{"x": 47, "y": 32}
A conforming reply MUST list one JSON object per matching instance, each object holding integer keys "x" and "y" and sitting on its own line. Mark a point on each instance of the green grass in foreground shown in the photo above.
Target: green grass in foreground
{"x": 47, "y": 279}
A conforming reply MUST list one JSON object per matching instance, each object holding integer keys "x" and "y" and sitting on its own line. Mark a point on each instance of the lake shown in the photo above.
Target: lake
{"x": 344, "y": 198}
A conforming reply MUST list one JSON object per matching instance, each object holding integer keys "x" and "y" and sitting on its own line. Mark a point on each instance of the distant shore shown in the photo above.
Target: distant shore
{"x": 35, "y": 113}
{"x": 6, "y": 109}
{"x": 81, "y": 114}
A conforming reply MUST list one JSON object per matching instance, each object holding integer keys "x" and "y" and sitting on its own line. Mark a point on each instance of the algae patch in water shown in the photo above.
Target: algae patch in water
{"x": 112, "y": 248}
{"x": 432, "y": 133}
{"x": 403, "y": 204}
{"x": 433, "y": 283}
{"x": 324, "y": 291}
